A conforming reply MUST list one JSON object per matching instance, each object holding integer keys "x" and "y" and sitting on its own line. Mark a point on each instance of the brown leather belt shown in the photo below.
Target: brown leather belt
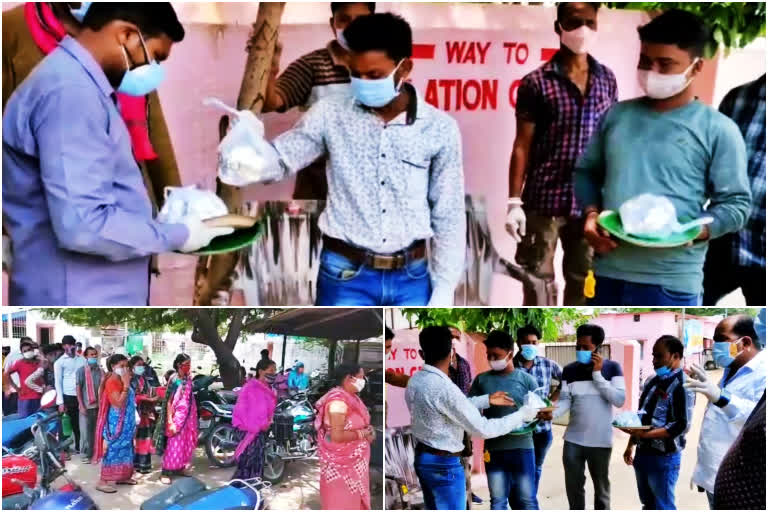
{"x": 421, "y": 447}
{"x": 395, "y": 261}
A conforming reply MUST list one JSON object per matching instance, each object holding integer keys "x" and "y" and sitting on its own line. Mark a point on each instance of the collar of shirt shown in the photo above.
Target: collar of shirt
{"x": 333, "y": 49}
{"x": 554, "y": 66}
{"x": 89, "y": 64}
{"x": 751, "y": 366}
{"x": 416, "y": 108}
{"x": 431, "y": 369}
{"x": 520, "y": 362}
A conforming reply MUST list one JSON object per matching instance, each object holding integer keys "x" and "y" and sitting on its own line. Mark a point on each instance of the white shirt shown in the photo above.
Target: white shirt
{"x": 721, "y": 426}
{"x": 65, "y": 373}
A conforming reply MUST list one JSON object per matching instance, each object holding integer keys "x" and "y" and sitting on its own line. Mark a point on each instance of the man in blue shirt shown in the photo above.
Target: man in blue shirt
{"x": 74, "y": 200}
{"x": 670, "y": 144}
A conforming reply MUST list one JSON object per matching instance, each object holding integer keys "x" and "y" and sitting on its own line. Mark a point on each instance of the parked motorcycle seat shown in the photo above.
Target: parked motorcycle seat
{"x": 13, "y": 427}
{"x": 227, "y": 497}
{"x": 229, "y": 396}
{"x": 180, "y": 489}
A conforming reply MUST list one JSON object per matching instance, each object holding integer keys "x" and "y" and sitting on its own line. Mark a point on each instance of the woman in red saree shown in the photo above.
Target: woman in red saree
{"x": 146, "y": 397}
{"x": 344, "y": 437}
{"x": 115, "y": 426}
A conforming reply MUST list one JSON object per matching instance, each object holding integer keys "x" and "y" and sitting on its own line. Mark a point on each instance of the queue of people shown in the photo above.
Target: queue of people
{"x": 590, "y": 389}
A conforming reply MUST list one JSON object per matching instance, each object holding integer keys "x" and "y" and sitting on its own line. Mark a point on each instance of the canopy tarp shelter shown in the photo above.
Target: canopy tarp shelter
{"x": 328, "y": 323}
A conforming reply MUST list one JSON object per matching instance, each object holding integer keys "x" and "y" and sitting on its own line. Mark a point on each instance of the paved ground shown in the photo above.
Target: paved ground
{"x": 298, "y": 491}
{"x": 623, "y": 484}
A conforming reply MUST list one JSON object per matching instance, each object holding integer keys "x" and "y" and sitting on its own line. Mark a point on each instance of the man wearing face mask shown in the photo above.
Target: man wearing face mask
{"x": 739, "y": 350}
{"x": 313, "y": 76}
{"x": 667, "y": 407}
{"x": 545, "y": 372}
{"x": 29, "y": 399}
{"x": 88, "y": 379}
{"x": 391, "y": 377}
{"x": 558, "y": 109}
{"x": 395, "y": 178}
{"x": 510, "y": 463}
{"x": 65, "y": 372}
{"x": 74, "y": 199}
{"x": 592, "y": 387}
{"x": 670, "y": 144}
{"x": 441, "y": 414}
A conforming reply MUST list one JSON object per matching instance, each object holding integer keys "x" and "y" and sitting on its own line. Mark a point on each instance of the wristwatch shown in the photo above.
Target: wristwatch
{"x": 725, "y": 399}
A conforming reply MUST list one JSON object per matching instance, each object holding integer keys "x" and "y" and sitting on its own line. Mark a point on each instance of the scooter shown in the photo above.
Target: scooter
{"x": 20, "y": 491}
{"x": 189, "y": 493}
{"x": 17, "y": 433}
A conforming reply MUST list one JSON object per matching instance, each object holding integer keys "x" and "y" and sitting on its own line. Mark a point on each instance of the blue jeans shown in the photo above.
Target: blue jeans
{"x": 28, "y": 407}
{"x": 541, "y": 443}
{"x": 341, "y": 282}
{"x": 442, "y": 481}
{"x": 656, "y": 480}
{"x": 615, "y": 292}
{"x": 512, "y": 479}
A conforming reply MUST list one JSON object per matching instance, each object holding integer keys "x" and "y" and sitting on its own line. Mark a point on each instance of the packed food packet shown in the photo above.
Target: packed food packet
{"x": 648, "y": 215}
{"x": 184, "y": 203}
{"x": 627, "y": 419}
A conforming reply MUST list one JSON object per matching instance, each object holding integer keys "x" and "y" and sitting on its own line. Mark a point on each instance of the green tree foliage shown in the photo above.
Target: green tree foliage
{"x": 732, "y": 24}
{"x": 549, "y": 320}
{"x": 696, "y": 311}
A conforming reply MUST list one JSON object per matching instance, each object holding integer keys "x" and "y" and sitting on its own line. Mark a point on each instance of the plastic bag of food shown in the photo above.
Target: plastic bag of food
{"x": 183, "y": 203}
{"x": 648, "y": 215}
{"x": 535, "y": 401}
{"x": 627, "y": 419}
{"x": 245, "y": 156}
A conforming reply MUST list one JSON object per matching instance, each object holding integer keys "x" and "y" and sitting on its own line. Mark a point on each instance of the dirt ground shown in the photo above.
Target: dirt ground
{"x": 624, "y": 496}
{"x": 299, "y": 490}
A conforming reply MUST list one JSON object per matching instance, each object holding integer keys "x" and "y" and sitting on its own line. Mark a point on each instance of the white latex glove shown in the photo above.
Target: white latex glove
{"x": 516, "y": 219}
{"x": 700, "y": 383}
{"x": 200, "y": 234}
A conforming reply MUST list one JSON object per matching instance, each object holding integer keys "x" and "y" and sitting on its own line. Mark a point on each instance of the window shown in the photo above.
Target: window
{"x": 45, "y": 335}
{"x": 5, "y": 326}
{"x": 19, "y": 324}
{"x": 637, "y": 318}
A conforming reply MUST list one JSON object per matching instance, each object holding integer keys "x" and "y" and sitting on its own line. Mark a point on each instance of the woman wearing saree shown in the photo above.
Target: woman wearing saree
{"x": 145, "y": 400}
{"x": 344, "y": 436}
{"x": 176, "y": 431}
{"x": 252, "y": 416}
{"x": 115, "y": 426}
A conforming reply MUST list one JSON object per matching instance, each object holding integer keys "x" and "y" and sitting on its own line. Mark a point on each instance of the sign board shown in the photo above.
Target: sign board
{"x": 693, "y": 337}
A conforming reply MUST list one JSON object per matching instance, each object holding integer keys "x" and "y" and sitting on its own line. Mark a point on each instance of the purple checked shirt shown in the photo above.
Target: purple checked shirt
{"x": 565, "y": 120}
{"x": 74, "y": 201}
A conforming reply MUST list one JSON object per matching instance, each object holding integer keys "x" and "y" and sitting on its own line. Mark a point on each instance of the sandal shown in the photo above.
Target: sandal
{"x": 130, "y": 481}
{"x": 108, "y": 489}
{"x": 165, "y": 480}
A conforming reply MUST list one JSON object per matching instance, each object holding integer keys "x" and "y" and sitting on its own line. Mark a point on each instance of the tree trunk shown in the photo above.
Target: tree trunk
{"x": 214, "y": 275}
{"x": 205, "y": 332}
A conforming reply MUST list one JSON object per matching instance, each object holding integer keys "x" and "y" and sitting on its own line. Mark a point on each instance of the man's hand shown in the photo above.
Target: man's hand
{"x": 502, "y": 399}
{"x": 700, "y": 383}
{"x": 597, "y": 362}
{"x": 516, "y": 219}
{"x": 62, "y": 408}
{"x": 126, "y": 378}
{"x": 275, "y": 69}
{"x": 628, "y": 455}
{"x": 83, "y": 410}
{"x": 597, "y": 237}
{"x": 545, "y": 415}
{"x": 201, "y": 234}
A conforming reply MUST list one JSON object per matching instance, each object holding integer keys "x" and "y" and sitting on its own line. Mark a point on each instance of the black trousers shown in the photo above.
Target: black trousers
{"x": 73, "y": 411}
{"x": 722, "y": 276}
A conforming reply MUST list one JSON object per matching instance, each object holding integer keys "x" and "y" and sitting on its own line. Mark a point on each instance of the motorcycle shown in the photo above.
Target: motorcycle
{"x": 18, "y": 438}
{"x": 189, "y": 493}
{"x": 215, "y": 428}
{"x": 291, "y": 436}
{"x": 20, "y": 488}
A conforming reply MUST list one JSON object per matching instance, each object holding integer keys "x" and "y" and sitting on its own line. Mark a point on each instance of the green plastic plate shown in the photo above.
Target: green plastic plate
{"x": 232, "y": 242}
{"x": 610, "y": 221}
{"x": 531, "y": 426}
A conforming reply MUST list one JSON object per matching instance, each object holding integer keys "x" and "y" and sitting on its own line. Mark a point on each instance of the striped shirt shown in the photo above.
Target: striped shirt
{"x": 315, "y": 75}
{"x": 565, "y": 120}
{"x": 746, "y": 106}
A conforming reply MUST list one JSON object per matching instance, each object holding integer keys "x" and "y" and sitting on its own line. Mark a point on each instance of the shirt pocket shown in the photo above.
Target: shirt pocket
{"x": 414, "y": 165}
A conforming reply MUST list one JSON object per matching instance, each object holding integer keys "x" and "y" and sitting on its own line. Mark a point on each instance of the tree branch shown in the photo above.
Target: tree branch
{"x": 235, "y": 328}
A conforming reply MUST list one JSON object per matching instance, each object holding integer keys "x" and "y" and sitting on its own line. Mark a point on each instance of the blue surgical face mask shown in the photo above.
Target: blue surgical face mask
{"x": 138, "y": 370}
{"x": 378, "y": 92}
{"x": 584, "y": 356}
{"x": 79, "y": 13}
{"x": 663, "y": 371}
{"x": 143, "y": 79}
{"x": 721, "y": 353}
{"x": 93, "y": 360}
{"x": 529, "y": 352}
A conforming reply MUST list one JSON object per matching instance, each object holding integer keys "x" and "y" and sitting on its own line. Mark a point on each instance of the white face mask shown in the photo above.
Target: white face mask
{"x": 119, "y": 371}
{"x": 499, "y": 364}
{"x": 358, "y": 384}
{"x": 29, "y": 354}
{"x": 579, "y": 41}
{"x": 661, "y": 87}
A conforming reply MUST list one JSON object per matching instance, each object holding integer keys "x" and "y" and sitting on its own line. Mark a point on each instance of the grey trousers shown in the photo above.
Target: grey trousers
{"x": 87, "y": 431}
{"x": 597, "y": 459}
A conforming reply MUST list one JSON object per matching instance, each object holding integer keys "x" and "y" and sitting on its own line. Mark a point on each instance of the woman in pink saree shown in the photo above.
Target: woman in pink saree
{"x": 252, "y": 416}
{"x": 176, "y": 432}
{"x": 344, "y": 437}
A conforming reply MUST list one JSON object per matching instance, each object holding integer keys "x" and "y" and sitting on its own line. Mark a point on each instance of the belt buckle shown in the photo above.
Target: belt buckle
{"x": 393, "y": 262}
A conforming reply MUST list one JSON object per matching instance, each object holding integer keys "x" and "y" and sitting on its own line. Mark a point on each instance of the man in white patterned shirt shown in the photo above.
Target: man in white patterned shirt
{"x": 395, "y": 178}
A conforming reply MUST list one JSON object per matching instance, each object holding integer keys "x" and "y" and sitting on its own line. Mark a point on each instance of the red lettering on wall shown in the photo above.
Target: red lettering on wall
{"x": 457, "y": 94}
{"x": 513, "y": 93}
{"x": 392, "y": 354}
{"x": 423, "y": 51}
{"x": 517, "y": 50}
{"x": 466, "y": 52}
{"x": 490, "y": 94}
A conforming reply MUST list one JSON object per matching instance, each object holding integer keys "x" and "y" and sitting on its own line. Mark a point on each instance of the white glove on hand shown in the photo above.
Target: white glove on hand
{"x": 516, "y": 219}
{"x": 200, "y": 234}
{"x": 700, "y": 383}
